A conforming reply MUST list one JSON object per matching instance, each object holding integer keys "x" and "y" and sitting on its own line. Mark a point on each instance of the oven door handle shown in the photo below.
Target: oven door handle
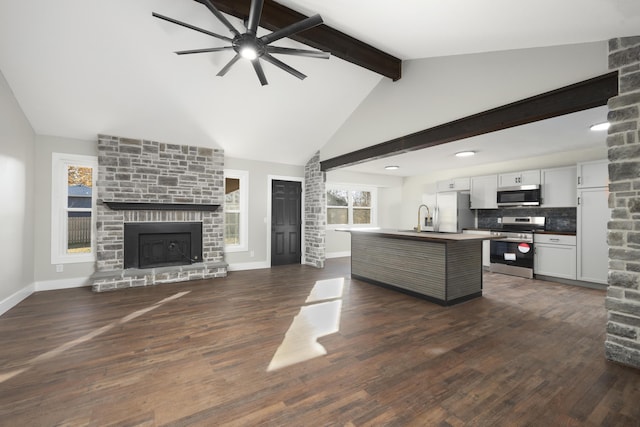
{"x": 512, "y": 240}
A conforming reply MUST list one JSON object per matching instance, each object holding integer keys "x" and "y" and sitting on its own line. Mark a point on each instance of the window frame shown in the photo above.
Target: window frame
{"x": 243, "y": 177}
{"x": 350, "y": 207}
{"x": 59, "y": 207}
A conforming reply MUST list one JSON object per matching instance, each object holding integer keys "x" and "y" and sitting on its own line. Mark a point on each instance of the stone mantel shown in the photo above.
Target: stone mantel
{"x": 135, "y": 206}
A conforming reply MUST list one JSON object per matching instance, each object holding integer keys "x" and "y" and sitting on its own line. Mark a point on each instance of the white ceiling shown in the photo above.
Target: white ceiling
{"x": 83, "y": 67}
{"x": 556, "y": 135}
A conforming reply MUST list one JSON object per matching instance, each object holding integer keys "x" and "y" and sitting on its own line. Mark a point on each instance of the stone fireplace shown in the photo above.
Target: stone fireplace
{"x": 159, "y": 214}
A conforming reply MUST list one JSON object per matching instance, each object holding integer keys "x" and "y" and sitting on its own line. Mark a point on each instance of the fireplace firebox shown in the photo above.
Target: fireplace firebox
{"x": 162, "y": 244}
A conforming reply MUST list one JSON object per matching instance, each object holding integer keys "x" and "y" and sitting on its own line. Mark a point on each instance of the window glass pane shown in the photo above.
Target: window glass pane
{"x": 78, "y": 232}
{"x": 337, "y": 216}
{"x": 232, "y": 194}
{"x": 337, "y": 198}
{"x": 361, "y": 198}
{"x": 79, "y": 181}
{"x": 361, "y": 216}
{"x": 232, "y": 228}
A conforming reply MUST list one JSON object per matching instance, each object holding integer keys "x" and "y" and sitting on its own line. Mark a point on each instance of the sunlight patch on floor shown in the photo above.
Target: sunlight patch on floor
{"x": 316, "y": 320}
{"x": 326, "y": 289}
{"x": 87, "y": 337}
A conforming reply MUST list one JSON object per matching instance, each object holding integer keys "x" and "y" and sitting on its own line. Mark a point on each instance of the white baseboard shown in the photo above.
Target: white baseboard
{"x": 52, "y": 285}
{"x": 248, "y": 266}
{"x": 12, "y": 300}
{"x": 337, "y": 254}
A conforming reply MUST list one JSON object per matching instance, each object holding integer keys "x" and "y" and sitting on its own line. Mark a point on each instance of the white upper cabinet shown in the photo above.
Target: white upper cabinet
{"x": 593, "y": 174}
{"x": 483, "y": 192}
{"x": 458, "y": 184}
{"x": 514, "y": 179}
{"x": 558, "y": 187}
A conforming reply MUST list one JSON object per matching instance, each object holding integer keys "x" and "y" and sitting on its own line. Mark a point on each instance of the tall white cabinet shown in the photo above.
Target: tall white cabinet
{"x": 593, "y": 213}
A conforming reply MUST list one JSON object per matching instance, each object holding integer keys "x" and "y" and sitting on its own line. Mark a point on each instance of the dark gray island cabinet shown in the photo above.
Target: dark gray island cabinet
{"x": 445, "y": 268}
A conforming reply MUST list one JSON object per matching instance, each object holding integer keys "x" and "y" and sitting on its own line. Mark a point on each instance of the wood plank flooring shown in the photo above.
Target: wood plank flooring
{"x": 528, "y": 353}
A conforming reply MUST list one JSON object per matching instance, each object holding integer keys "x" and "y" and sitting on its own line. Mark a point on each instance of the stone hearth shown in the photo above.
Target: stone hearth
{"x": 152, "y": 182}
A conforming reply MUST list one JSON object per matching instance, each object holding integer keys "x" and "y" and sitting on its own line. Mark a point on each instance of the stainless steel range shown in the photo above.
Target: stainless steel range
{"x": 513, "y": 252}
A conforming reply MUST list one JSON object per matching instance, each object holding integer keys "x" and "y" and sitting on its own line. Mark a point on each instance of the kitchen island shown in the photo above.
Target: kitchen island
{"x": 445, "y": 268}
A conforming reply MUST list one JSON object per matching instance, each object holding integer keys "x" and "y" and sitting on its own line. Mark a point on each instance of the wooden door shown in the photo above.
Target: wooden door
{"x": 286, "y": 222}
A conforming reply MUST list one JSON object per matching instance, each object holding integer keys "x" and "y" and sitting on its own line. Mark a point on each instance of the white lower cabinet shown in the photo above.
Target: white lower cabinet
{"x": 555, "y": 256}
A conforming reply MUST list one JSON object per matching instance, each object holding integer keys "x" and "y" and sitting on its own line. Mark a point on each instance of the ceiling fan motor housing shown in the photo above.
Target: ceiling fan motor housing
{"x": 248, "y": 41}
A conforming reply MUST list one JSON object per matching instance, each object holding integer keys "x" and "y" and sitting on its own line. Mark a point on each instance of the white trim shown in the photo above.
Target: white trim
{"x": 240, "y": 266}
{"x": 270, "y": 179}
{"x": 337, "y": 254}
{"x": 59, "y": 187}
{"x": 52, "y": 285}
{"x": 12, "y": 300}
{"x": 243, "y": 176}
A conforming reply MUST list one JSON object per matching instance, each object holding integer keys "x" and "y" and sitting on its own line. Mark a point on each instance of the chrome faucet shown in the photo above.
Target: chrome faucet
{"x": 419, "y": 228}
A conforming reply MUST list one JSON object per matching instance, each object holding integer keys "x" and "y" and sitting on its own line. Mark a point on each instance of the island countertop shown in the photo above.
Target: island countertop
{"x": 422, "y": 235}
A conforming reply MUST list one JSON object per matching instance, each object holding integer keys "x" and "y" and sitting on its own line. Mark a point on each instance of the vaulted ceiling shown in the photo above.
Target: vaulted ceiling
{"x": 83, "y": 67}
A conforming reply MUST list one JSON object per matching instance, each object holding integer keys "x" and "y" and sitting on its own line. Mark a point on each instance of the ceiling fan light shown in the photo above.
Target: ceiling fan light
{"x": 248, "y": 52}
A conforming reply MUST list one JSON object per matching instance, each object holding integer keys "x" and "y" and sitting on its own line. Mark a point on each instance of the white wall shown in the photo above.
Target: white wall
{"x": 259, "y": 206}
{"x": 75, "y": 274}
{"x": 17, "y": 145}
{"x": 438, "y": 90}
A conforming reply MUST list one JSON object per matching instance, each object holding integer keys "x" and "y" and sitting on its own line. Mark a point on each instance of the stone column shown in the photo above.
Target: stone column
{"x": 315, "y": 213}
{"x": 623, "y": 295}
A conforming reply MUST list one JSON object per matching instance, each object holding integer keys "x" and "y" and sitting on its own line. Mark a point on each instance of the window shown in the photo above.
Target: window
{"x": 73, "y": 202}
{"x": 351, "y": 205}
{"x": 236, "y": 196}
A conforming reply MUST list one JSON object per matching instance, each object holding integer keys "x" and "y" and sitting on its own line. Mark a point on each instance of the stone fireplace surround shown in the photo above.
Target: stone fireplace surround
{"x": 148, "y": 181}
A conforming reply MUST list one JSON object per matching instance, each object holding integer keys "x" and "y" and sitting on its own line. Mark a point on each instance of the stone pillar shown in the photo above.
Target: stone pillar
{"x": 623, "y": 295}
{"x": 315, "y": 210}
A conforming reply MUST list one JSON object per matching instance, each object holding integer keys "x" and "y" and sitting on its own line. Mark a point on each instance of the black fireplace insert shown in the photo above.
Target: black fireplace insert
{"x": 162, "y": 244}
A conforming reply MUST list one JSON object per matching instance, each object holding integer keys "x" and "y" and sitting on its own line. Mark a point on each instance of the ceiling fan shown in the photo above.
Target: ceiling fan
{"x": 248, "y": 45}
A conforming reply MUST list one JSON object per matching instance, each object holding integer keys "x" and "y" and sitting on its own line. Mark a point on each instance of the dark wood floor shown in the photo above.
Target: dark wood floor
{"x": 527, "y": 353}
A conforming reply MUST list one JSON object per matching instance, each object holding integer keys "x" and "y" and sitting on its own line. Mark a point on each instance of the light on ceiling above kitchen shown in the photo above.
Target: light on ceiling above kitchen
{"x": 600, "y": 126}
{"x": 465, "y": 154}
{"x": 392, "y": 167}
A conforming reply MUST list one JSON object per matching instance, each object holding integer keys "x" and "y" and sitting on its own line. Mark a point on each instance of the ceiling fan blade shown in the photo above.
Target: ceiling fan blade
{"x": 298, "y": 52}
{"x": 254, "y": 16}
{"x": 283, "y": 66}
{"x": 205, "y": 50}
{"x": 259, "y": 72}
{"x": 294, "y": 28}
{"x": 229, "y": 65}
{"x": 220, "y": 16}
{"x": 191, "y": 27}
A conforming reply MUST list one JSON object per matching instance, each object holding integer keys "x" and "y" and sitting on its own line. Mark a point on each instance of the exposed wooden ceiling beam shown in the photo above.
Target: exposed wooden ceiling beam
{"x": 569, "y": 99}
{"x": 276, "y": 16}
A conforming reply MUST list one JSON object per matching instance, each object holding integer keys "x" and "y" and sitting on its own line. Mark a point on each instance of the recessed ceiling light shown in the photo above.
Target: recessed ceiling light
{"x": 465, "y": 154}
{"x": 392, "y": 167}
{"x": 600, "y": 126}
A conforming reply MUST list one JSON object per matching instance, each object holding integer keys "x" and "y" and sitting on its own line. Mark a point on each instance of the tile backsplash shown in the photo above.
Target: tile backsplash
{"x": 557, "y": 219}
